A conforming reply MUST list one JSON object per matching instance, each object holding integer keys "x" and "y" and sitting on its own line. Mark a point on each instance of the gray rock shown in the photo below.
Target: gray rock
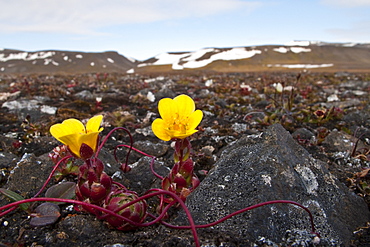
{"x": 303, "y": 135}
{"x": 273, "y": 166}
{"x": 110, "y": 164}
{"x": 34, "y": 107}
{"x": 341, "y": 104}
{"x": 30, "y": 173}
{"x": 85, "y": 94}
{"x": 141, "y": 178}
{"x": 357, "y": 118}
{"x": 165, "y": 92}
{"x": 7, "y": 160}
{"x": 155, "y": 149}
{"x": 338, "y": 141}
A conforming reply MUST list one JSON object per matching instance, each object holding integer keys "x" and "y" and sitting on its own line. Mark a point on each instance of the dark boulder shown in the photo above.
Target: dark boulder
{"x": 272, "y": 166}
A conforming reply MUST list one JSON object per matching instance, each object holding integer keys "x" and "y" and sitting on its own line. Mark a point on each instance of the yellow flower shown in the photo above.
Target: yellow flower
{"x": 74, "y": 134}
{"x": 179, "y": 118}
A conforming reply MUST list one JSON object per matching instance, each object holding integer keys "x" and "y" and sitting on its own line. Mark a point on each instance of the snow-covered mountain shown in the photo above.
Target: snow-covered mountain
{"x": 295, "y": 55}
{"x": 50, "y": 61}
{"x": 318, "y": 56}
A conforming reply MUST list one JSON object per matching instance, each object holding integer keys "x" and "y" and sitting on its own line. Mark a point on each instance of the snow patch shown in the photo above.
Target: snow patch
{"x": 49, "y": 60}
{"x": 110, "y": 60}
{"x": 191, "y": 60}
{"x": 131, "y": 59}
{"x": 168, "y": 58}
{"x": 79, "y": 56}
{"x": 281, "y": 49}
{"x": 26, "y": 56}
{"x": 301, "y": 66}
{"x": 299, "y": 49}
{"x": 292, "y": 49}
{"x": 349, "y": 44}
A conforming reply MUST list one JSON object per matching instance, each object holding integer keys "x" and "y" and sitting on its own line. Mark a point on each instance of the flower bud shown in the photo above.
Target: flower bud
{"x": 93, "y": 184}
{"x": 181, "y": 180}
{"x": 98, "y": 192}
{"x": 83, "y": 190}
{"x": 135, "y": 212}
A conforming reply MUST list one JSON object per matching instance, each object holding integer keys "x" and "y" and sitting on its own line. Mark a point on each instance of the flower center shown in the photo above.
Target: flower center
{"x": 178, "y": 124}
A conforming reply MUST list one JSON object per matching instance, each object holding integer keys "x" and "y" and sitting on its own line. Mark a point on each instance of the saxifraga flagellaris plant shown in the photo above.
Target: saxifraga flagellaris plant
{"x": 178, "y": 121}
{"x": 98, "y": 194}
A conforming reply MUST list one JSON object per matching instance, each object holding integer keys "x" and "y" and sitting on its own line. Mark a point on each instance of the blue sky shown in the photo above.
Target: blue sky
{"x": 145, "y": 28}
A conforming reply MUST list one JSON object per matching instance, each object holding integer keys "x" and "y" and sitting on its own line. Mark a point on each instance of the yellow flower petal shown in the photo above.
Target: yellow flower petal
{"x": 73, "y": 133}
{"x": 179, "y": 118}
{"x": 159, "y": 129}
{"x": 194, "y": 119}
{"x": 167, "y": 109}
{"x": 90, "y": 139}
{"x": 72, "y": 141}
{"x": 67, "y": 127}
{"x": 185, "y": 105}
{"x": 93, "y": 125}
{"x": 182, "y": 136}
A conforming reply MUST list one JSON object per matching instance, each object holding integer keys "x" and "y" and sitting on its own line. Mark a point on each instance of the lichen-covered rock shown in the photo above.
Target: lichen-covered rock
{"x": 272, "y": 166}
{"x": 30, "y": 173}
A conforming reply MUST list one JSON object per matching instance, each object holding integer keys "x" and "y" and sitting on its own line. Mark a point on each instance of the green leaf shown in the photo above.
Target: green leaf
{"x": 15, "y": 197}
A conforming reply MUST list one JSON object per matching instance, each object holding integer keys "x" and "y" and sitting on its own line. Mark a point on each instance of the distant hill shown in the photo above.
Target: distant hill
{"x": 301, "y": 55}
{"x": 315, "y": 56}
{"x": 68, "y": 62}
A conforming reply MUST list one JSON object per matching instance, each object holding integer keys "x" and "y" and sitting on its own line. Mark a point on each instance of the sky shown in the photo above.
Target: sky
{"x": 142, "y": 29}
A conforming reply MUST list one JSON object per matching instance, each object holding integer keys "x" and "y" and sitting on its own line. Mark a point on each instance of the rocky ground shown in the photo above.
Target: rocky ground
{"x": 326, "y": 114}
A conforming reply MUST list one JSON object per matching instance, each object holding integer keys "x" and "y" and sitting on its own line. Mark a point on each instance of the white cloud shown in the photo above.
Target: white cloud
{"x": 347, "y": 3}
{"x": 86, "y": 16}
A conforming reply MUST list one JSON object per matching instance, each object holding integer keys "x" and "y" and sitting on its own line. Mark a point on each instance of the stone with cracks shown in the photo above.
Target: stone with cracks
{"x": 272, "y": 166}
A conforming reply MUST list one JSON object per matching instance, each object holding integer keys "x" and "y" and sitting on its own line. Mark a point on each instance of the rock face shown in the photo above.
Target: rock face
{"x": 272, "y": 166}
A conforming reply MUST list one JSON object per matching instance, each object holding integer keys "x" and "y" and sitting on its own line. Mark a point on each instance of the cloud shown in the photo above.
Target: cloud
{"x": 347, "y": 3}
{"x": 87, "y": 16}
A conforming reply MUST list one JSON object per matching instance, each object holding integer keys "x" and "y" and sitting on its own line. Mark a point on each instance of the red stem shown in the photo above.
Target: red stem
{"x": 145, "y": 154}
{"x": 106, "y": 139}
{"x": 51, "y": 174}
{"x": 153, "y": 192}
{"x": 130, "y": 148}
{"x": 7, "y": 211}
{"x": 247, "y": 209}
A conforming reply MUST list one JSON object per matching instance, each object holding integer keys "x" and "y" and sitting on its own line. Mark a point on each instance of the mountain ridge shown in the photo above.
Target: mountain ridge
{"x": 298, "y": 55}
{"x": 56, "y": 61}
